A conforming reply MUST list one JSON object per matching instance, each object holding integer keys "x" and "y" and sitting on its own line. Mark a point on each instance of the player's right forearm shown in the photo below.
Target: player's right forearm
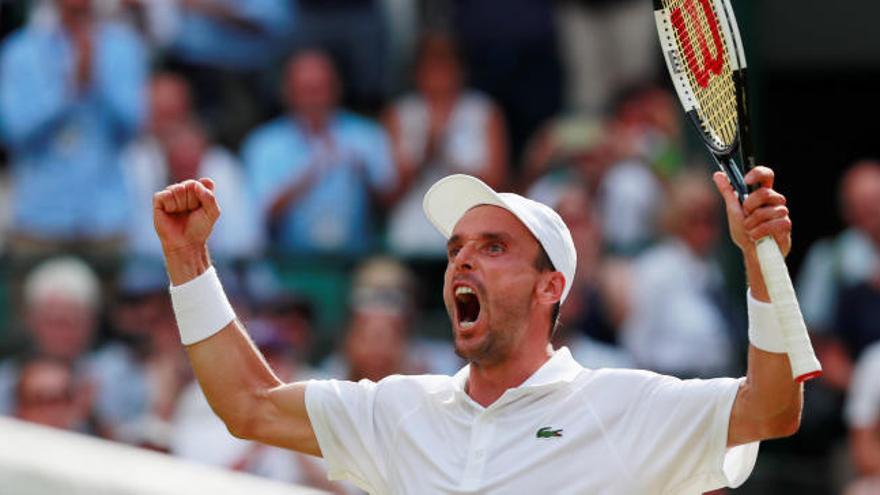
{"x": 234, "y": 376}
{"x": 229, "y": 368}
{"x": 187, "y": 263}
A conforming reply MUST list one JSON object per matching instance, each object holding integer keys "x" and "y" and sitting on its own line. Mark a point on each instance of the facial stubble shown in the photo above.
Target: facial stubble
{"x": 506, "y": 322}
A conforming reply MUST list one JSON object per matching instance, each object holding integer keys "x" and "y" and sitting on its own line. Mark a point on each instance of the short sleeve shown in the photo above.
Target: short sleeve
{"x": 342, "y": 416}
{"x": 680, "y": 436}
{"x": 863, "y": 402}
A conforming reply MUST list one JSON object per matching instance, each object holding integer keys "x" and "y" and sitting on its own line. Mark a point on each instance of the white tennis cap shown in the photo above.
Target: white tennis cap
{"x": 451, "y": 197}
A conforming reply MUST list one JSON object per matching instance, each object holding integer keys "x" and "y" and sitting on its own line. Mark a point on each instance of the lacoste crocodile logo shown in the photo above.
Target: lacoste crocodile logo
{"x": 548, "y": 432}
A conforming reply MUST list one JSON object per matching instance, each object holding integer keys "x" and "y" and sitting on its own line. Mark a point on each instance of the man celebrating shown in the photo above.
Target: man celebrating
{"x": 520, "y": 417}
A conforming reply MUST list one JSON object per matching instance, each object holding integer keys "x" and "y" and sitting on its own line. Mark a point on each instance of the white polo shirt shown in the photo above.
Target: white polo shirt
{"x": 566, "y": 430}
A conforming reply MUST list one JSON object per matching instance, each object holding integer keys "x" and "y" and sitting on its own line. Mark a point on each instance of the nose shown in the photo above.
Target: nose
{"x": 464, "y": 259}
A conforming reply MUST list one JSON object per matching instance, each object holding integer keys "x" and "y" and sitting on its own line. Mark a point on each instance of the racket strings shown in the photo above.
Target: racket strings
{"x": 707, "y": 67}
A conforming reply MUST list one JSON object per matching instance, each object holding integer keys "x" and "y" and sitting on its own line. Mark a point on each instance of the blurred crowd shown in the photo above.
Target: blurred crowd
{"x": 323, "y": 123}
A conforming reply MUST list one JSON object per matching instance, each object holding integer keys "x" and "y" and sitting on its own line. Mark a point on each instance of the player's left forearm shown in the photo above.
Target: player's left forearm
{"x": 769, "y": 402}
{"x": 754, "y": 277}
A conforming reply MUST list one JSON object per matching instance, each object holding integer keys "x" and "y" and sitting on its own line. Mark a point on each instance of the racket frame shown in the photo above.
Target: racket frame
{"x": 802, "y": 358}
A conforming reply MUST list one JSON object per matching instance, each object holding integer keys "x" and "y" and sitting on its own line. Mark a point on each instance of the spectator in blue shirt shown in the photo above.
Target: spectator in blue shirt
{"x": 229, "y": 50}
{"x": 71, "y": 95}
{"x": 231, "y": 34}
{"x": 317, "y": 171}
{"x": 357, "y": 34}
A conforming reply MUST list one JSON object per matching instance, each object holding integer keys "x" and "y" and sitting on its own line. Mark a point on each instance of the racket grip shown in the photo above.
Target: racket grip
{"x": 804, "y": 364}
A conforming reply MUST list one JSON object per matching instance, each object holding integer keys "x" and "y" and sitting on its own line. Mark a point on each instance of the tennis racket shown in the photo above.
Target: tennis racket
{"x": 704, "y": 53}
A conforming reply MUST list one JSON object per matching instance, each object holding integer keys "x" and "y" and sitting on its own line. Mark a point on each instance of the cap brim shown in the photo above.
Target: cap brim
{"x": 451, "y": 197}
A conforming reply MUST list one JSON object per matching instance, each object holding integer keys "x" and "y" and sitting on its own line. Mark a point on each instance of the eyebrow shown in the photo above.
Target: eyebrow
{"x": 485, "y": 236}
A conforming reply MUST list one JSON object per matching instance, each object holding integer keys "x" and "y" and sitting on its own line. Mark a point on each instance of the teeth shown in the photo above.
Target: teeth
{"x": 466, "y": 325}
{"x": 463, "y": 290}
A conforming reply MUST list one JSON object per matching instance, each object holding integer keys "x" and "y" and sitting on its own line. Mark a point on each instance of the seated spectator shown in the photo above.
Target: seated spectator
{"x": 850, "y": 258}
{"x": 605, "y": 44}
{"x": 385, "y": 284}
{"x": 356, "y": 33}
{"x": 569, "y": 148}
{"x": 679, "y": 322}
{"x": 286, "y": 322}
{"x": 228, "y": 49}
{"x": 157, "y": 20}
{"x": 846, "y": 265}
{"x": 589, "y": 319}
{"x": 858, "y": 311}
{"x": 170, "y": 104}
{"x": 70, "y": 98}
{"x": 604, "y": 158}
{"x": 231, "y": 34}
{"x": 122, "y": 396}
{"x": 377, "y": 340}
{"x": 512, "y": 55}
{"x": 177, "y": 148}
{"x": 647, "y": 126}
{"x": 375, "y": 346}
{"x": 48, "y": 394}
{"x": 317, "y": 171}
{"x": 440, "y": 129}
{"x": 138, "y": 410}
{"x": 862, "y": 415}
{"x": 62, "y": 301}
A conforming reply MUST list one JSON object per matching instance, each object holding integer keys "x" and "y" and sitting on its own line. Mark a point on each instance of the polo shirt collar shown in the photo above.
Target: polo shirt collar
{"x": 560, "y": 368}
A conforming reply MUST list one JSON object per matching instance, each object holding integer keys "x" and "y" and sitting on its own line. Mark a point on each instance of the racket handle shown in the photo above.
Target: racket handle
{"x": 804, "y": 365}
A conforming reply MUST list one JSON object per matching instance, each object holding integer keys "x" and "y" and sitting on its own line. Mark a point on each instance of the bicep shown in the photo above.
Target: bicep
{"x": 244, "y": 392}
{"x": 768, "y": 403}
{"x": 283, "y": 420}
{"x": 743, "y": 428}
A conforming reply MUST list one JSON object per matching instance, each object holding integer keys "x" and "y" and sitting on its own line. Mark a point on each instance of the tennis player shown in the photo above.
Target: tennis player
{"x": 521, "y": 417}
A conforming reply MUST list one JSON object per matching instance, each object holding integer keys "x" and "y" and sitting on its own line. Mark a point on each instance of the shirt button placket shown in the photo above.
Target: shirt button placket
{"x": 481, "y": 437}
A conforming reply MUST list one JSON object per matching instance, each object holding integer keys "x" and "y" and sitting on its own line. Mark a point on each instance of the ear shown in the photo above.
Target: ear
{"x": 550, "y": 287}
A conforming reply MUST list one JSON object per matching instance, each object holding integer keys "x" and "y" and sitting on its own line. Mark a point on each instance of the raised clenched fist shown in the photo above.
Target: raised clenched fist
{"x": 184, "y": 214}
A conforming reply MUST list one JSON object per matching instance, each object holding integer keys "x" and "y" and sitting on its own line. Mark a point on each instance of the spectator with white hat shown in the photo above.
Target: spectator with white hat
{"x": 62, "y": 301}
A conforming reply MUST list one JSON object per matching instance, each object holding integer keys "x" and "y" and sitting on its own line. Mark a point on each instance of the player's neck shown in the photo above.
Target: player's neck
{"x": 488, "y": 382}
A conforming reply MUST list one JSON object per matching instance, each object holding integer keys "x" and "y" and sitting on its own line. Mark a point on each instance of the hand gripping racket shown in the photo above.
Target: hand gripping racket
{"x": 704, "y": 53}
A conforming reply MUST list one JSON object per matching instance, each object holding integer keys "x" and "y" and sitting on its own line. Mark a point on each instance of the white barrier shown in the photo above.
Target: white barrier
{"x": 41, "y": 461}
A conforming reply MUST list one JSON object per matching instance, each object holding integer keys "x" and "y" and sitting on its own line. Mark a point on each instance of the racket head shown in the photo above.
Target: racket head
{"x": 704, "y": 54}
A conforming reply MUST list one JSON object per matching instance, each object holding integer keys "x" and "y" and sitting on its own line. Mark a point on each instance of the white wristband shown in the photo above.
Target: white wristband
{"x": 201, "y": 307}
{"x": 765, "y": 332}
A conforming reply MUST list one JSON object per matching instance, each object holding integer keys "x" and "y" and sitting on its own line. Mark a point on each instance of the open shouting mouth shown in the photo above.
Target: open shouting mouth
{"x": 467, "y": 306}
